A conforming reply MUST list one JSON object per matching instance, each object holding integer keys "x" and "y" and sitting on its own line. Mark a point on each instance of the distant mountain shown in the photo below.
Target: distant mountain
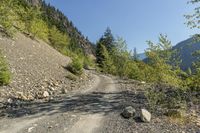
{"x": 141, "y": 56}
{"x": 186, "y": 48}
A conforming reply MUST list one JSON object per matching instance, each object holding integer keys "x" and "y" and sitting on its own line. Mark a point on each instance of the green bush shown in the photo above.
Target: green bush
{"x": 58, "y": 40}
{"x": 166, "y": 97}
{"x": 76, "y": 66}
{"x": 4, "y": 72}
{"x": 7, "y": 16}
{"x": 88, "y": 62}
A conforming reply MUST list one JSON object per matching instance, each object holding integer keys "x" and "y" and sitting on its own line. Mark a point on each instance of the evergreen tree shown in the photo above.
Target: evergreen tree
{"x": 135, "y": 54}
{"x": 107, "y": 63}
{"x": 159, "y": 58}
{"x": 107, "y": 39}
{"x": 99, "y": 54}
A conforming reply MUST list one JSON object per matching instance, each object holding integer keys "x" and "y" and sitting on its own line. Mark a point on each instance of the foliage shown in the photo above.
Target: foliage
{"x": 58, "y": 40}
{"x": 135, "y": 54}
{"x": 54, "y": 17}
{"x": 193, "y": 80}
{"x": 106, "y": 62}
{"x": 107, "y": 41}
{"x": 159, "y": 56}
{"x": 4, "y": 72}
{"x": 76, "y": 66}
{"x": 166, "y": 97}
{"x": 193, "y": 19}
{"x": 114, "y": 58}
{"x": 125, "y": 65}
{"x": 39, "y": 29}
{"x": 7, "y": 15}
{"x": 88, "y": 62}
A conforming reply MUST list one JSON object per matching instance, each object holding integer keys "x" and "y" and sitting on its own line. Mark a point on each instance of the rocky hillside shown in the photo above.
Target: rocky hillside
{"x": 37, "y": 69}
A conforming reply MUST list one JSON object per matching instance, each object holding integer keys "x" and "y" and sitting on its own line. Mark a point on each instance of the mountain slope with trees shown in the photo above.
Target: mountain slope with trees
{"x": 186, "y": 50}
{"x": 38, "y": 19}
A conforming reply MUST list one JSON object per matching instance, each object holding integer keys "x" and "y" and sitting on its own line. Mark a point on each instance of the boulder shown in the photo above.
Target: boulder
{"x": 128, "y": 112}
{"x": 145, "y": 115}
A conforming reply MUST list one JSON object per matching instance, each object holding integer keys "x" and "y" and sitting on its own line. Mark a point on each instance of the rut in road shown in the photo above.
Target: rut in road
{"x": 88, "y": 123}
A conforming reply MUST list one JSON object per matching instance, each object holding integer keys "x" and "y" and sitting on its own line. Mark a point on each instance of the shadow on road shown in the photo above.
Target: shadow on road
{"x": 94, "y": 102}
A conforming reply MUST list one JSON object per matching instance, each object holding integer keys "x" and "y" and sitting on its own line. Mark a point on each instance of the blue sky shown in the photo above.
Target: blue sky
{"x": 134, "y": 20}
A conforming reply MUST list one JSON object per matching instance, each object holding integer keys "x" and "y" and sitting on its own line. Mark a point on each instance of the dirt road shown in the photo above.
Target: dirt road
{"x": 76, "y": 112}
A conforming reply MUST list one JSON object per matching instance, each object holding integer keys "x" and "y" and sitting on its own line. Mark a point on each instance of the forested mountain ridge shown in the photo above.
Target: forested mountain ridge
{"x": 55, "y": 17}
{"x": 186, "y": 50}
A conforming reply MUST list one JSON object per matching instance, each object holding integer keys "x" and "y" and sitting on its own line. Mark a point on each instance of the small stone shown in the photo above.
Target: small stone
{"x": 143, "y": 82}
{"x": 46, "y": 94}
{"x": 128, "y": 112}
{"x": 64, "y": 91}
{"x": 50, "y": 126}
{"x": 10, "y": 101}
{"x": 51, "y": 88}
{"x": 145, "y": 115}
{"x": 35, "y": 125}
{"x": 1, "y": 105}
{"x": 21, "y": 58}
{"x": 30, "y": 129}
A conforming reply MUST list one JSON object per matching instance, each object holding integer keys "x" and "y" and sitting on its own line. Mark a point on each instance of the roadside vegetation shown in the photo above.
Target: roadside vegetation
{"x": 171, "y": 88}
{"x": 4, "y": 71}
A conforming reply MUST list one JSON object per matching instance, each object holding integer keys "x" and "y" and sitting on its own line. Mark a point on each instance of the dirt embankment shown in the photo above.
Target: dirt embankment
{"x": 36, "y": 67}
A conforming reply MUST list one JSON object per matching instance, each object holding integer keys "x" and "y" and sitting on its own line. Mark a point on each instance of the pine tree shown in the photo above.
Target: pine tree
{"x": 107, "y": 40}
{"x": 135, "y": 54}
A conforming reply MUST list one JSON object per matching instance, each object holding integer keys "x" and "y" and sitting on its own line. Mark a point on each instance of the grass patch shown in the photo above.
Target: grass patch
{"x": 4, "y": 72}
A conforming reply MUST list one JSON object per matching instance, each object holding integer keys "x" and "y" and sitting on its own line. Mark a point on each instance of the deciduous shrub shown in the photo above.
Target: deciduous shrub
{"x": 76, "y": 66}
{"x": 4, "y": 72}
{"x": 166, "y": 97}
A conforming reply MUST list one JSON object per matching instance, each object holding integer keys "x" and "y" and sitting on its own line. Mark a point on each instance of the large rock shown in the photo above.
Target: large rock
{"x": 145, "y": 115}
{"x": 128, "y": 112}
